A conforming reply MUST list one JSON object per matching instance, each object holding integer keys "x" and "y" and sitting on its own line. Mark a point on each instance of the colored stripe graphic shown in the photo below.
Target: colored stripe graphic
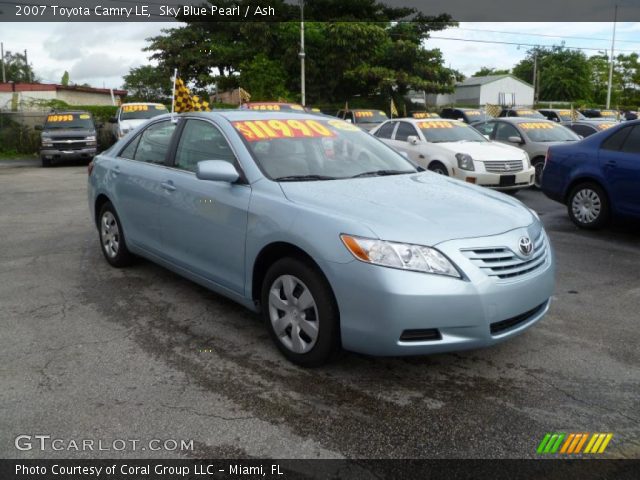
{"x": 572, "y": 443}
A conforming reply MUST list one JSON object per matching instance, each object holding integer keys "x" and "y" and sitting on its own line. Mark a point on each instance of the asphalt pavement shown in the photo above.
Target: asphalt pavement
{"x": 92, "y": 352}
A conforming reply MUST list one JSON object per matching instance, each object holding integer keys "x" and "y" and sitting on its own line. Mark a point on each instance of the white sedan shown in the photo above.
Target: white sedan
{"x": 453, "y": 148}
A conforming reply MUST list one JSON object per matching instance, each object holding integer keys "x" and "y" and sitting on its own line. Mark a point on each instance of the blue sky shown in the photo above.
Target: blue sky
{"x": 101, "y": 53}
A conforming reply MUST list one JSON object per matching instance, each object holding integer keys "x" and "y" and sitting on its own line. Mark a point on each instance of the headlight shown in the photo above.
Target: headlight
{"x": 47, "y": 142}
{"x": 528, "y": 160}
{"x": 91, "y": 138}
{"x": 465, "y": 162}
{"x": 400, "y": 255}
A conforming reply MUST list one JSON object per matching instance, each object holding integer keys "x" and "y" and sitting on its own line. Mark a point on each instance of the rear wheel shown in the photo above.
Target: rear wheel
{"x": 300, "y": 312}
{"x": 588, "y": 206}
{"x": 538, "y": 165}
{"x": 439, "y": 168}
{"x": 112, "y": 241}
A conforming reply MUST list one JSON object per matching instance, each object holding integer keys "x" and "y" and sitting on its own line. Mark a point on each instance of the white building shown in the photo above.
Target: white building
{"x": 33, "y": 96}
{"x": 494, "y": 89}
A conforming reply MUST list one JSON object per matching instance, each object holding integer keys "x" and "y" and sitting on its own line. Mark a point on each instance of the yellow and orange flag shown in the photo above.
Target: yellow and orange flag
{"x": 185, "y": 102}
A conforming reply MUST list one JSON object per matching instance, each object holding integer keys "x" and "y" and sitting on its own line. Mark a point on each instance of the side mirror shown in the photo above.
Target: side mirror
{"x": 113, "y": 120}
{"x": 460, "y": 119}
{"x": 413, "y": 140}
{"x": 217, "y": 171}
{"x": 487, "y": 137}
{"x": 39, "y": 127}
{"x": 348, "y": 120}
{"x": 515, "y": 139}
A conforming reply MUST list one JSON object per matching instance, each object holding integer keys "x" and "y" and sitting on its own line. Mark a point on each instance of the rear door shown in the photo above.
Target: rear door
{"x": 138, "y": 176}
{"x": 619, "y": 158}
{"x": 205, "y": 223}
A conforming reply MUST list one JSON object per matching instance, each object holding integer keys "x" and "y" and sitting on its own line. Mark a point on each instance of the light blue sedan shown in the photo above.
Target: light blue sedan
{"x": 338, "y": 240}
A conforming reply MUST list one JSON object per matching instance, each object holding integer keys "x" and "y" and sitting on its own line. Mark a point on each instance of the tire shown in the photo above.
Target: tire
{"x": 439, "y": 168}
{"x": 588, "y": 206}
{"x": 538, "y": 164}
{"x": 46, "y": 162}
{"x": 112, "y": 240}
{"x": 307, "y": 334}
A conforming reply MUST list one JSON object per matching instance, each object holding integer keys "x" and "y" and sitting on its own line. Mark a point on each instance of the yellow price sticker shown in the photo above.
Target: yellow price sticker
{"x": 365, "y": 114}
{"x": 342, "y": 125}
{"x": 438, "y": 124}
{"x": 537, "y": 126}
{"x": 60, "y": 118}
{"x": 135, "y": 108}
{"x": 267, "y": 107}
{"x": 85, "y": 116}
{"x": 257, "y": 130}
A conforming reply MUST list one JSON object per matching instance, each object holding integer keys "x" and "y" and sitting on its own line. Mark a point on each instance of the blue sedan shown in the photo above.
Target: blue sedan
{"x": 337, "y": 239}
{"x": 597, "y": 178}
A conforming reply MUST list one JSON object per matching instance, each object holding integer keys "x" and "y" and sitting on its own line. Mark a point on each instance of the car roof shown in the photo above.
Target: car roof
{"x": 521, "y": 120}
{"x": 233, "y": 115}
{"x": 64, "y": 112}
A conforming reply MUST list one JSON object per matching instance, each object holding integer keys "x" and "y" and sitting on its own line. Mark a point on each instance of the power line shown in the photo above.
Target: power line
{"x": 521, "y": 44}
{"x": 545, "y": 35}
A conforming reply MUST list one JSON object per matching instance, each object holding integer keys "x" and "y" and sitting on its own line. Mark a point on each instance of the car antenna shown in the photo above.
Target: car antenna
{"x": 174, "y": 119}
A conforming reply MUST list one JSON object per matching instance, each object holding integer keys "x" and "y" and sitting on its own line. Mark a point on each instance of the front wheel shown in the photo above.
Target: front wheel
{"x": 300, "y": 312}
{"x": 437, "y": 167}
{"x": 588, "y": 206}
{"x": 538, "y": 165}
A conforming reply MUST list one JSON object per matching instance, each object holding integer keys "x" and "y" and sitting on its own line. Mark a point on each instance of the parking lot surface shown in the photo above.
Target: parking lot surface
{"x": 88, "y": 351}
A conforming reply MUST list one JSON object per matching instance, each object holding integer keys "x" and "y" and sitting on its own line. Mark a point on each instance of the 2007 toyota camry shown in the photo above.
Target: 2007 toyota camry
{"x": 337, "y": 239}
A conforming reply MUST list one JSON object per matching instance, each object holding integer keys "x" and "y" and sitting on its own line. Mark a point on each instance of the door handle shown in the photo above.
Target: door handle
{"x": 116, "y": 170}
{"x": 169, "y": 186}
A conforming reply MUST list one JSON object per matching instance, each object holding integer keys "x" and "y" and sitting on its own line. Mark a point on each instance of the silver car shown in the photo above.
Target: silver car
{"x": 335, "y": 249}
{"x": 532, "y": 135}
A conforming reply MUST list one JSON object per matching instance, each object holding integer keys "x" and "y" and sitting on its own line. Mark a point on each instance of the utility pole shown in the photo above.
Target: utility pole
{"x": 302, "y": 55}
{"x": 26, "y": 66}
{"x": 4, "y": 74}
{"x": 535, "y": 77}
{"x": 613, "y": 45}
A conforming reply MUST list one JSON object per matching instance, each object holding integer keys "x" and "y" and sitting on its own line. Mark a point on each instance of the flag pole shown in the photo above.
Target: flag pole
{"x": 173, "y": 94}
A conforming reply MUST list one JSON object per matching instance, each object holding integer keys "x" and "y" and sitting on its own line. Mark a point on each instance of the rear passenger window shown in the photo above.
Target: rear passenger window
{"x": 154, "y": 142}
{"x": 632, "y": 143}
{"x": 199, "y": 141}
{"x": 615, "y": 141}
{"x": 130, "y": 150}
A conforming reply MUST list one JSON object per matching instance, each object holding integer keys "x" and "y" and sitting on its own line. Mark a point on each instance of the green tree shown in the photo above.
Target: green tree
{"x": 264, "y": 79}
{"x": 148, "y": 84}
{"x": 17, "y": 69}
{"x": 599, "y": 78}
{"x": 65, "y": 79}
{"x": 486, "y": 71}
{"x": 627, "y": 68}
{"x": 563, "y": 73}
{"x": 344, "y": 57}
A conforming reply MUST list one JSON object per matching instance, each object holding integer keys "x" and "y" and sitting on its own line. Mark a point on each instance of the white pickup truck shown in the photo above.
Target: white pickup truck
{"x": 132, "y": 115}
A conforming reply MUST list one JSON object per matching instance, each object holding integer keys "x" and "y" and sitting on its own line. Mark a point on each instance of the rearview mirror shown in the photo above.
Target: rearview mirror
{"x": 413, "y": 140}
{"x": 217, "y": 171}
{"x": 39, "y": 127}
{"x": 515, "y": 139}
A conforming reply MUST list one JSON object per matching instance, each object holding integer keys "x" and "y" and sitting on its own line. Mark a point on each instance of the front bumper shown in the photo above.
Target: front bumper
{"x": 523, "y": 179}
{"x": 79, "y": 154}
{"x": 377, "y": 304}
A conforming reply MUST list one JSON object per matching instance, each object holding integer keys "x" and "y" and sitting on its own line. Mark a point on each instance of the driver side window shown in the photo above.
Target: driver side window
{"x": 199, "y": 141}
{"x": 504, "y": 131}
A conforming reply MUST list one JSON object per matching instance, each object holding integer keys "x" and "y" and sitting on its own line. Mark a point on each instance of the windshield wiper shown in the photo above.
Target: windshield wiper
{"x": 382, "y": 173}
{"x": 303, "y": 178}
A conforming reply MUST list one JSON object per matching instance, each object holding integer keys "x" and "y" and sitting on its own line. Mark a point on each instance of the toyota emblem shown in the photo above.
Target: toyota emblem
{"x": 526, "y": 246}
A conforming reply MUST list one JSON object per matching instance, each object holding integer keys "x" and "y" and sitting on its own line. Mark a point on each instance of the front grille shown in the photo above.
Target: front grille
{"x": 508, "y": 166}
{"x": 503, "y": 263}
{"x": 498, "y": 327}
{"x": 74, "y": 144}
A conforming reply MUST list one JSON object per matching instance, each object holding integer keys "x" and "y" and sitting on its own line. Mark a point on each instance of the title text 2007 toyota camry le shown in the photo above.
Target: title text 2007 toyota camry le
{"x": 337, "y": 239}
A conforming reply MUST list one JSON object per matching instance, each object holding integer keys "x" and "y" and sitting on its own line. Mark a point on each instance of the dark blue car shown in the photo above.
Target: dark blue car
{"x": 597, "y": 178}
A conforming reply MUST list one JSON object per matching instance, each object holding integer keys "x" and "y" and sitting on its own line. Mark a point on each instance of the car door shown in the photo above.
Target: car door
{"x": 138, "y": 176}
{"x": 401, "y": 143}
{"x": 505, "y": 130}
{"x": 205, "y": 222}
{"x": 619, "y": 158}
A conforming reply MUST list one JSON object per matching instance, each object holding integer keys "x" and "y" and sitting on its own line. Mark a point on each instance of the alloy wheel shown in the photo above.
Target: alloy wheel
{"x": 110, "y": 234}
{"x": 586, "y": 206}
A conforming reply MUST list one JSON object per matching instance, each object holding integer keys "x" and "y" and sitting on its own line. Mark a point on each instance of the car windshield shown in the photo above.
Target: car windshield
{"x": 135, "y": 112}
{"x": 275, "y": 107}
{"x": 565, "y": 115}
{"x": 60, "y": 121}
{"x": 441, "y": 131}
{"x": 529, "y": 114}
{"x": 370, "y": 116}
{"x": 290, "y": 149}
{"x": 477, "y": 116}
{"x": 548, "y": 132}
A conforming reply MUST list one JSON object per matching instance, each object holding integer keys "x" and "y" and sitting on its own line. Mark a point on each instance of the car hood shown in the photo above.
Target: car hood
{"x": 133, "y": 123}
{"x": 68, "y": 133}
{"x": 483, "y": 150}
{"x": 422, "y": 208}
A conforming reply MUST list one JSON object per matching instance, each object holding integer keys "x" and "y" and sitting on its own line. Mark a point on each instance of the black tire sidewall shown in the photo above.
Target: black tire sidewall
{"x": 603, "y": 218}
{"x": 123, "y": 258}
{"x": 328, "y": 342}
{"x": 534, "y": 162}
{"x": 435, "y": 166}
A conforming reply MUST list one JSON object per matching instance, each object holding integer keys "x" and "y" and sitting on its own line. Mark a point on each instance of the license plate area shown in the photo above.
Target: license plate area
{"x": 507, "y": 180}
